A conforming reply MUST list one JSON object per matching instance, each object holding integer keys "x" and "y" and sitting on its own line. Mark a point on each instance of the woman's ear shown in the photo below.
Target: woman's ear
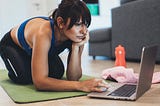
{"x": 60, "y": 22}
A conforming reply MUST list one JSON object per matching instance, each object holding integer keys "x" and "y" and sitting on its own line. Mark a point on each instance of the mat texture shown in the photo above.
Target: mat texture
{"x": 27, "y": 93}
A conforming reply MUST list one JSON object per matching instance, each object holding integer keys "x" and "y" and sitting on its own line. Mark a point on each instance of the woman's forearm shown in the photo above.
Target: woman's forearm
{"x": 52, "y": 84}
{"x": 74, "y": 70}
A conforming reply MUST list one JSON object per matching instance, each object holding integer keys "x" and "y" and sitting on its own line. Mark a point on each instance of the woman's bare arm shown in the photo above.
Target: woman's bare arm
{"x": 41, "y": 45}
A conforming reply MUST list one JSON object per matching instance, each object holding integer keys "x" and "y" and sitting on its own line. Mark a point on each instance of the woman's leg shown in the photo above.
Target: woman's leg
{"x": 16, "y": 60}
{"x": 56, "y": 67}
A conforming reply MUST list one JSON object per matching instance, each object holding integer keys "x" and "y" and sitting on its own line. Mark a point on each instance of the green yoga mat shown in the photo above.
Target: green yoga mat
{"x": 27, "y": 93}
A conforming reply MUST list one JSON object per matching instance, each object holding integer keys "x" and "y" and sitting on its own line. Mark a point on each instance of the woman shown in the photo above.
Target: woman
{"x": 30, "y": 50}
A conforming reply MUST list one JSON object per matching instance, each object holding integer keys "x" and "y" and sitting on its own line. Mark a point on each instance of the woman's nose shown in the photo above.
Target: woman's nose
{"x": 84, "y": 29}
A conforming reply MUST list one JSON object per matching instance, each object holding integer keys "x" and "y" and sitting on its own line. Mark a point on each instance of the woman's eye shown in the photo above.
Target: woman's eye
{"x": 78, "y": 24}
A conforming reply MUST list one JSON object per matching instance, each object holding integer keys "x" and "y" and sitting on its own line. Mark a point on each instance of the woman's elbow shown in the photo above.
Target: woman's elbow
{"x": 39, "y": 85}
{"x": 74, "y": 78}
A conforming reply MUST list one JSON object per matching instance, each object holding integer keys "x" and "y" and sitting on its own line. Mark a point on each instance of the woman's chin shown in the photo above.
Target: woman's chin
{"x": 78, "y": 40}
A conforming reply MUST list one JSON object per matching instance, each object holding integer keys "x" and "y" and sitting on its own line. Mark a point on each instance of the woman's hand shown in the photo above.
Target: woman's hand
{"x": 93, "y": 85}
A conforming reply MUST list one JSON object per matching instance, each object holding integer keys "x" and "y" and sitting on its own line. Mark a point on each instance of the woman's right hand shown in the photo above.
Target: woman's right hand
{"x": 92, "y": 85}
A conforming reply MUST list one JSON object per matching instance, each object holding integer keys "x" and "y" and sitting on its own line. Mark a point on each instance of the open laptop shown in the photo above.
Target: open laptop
{"x": 126, "y": 91}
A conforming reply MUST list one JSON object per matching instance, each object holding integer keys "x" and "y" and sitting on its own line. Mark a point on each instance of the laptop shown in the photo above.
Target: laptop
{"x": 128, "y": 91}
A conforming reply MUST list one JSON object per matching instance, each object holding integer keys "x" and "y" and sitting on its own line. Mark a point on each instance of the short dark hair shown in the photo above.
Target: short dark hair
{"x": 73, "y": 9}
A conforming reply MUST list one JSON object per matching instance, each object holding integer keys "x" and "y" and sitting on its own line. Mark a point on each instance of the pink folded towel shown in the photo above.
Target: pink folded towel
{"x": 125, "y": 75}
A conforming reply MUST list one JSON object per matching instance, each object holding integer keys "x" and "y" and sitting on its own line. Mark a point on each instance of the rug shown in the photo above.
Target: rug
{"x": 28, "y": 94}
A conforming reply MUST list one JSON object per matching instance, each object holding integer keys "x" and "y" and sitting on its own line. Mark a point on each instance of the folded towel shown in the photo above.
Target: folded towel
{"x": 156, "y": 77}
{"x": 125, "y": 75}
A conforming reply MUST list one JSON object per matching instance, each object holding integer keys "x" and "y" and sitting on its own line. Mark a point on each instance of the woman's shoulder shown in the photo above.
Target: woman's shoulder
{"x": 40, "y": 26}
{"x": 39, "y": 29}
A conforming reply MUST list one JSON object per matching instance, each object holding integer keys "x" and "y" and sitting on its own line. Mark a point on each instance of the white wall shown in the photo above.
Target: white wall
{"x": 13, "y": 12}
{"x": 41, "y": 7}
{"x": 104, "y": 19}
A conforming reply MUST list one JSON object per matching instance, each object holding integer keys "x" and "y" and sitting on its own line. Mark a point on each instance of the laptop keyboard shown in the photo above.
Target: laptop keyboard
{"x": 124, "y": 91}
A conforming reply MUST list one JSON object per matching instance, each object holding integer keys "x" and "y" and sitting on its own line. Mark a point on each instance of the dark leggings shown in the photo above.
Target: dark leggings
{"x": 18, "y": 62}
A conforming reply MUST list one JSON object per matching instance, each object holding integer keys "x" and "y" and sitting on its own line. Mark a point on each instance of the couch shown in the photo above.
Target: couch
{"x": 100, "y": 42}
{"x": 134, "y": 25}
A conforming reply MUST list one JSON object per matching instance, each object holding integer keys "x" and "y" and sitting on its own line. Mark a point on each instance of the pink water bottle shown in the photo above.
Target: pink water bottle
{"x": 120, "y": 56}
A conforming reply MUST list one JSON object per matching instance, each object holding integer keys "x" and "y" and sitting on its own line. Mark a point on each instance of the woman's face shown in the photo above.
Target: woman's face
{"x": 78, "y": 31}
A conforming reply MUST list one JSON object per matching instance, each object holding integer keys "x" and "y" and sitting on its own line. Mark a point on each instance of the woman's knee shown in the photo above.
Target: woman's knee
{"x": 20, "y": 80}
{"x": 18, "y": 66}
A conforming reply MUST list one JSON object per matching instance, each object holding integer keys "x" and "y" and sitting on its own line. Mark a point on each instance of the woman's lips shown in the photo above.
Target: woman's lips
{"x": 81, "y": 37}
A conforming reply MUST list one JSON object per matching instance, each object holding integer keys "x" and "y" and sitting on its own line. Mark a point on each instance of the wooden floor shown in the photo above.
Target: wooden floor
{"x": 93, "y": 68}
